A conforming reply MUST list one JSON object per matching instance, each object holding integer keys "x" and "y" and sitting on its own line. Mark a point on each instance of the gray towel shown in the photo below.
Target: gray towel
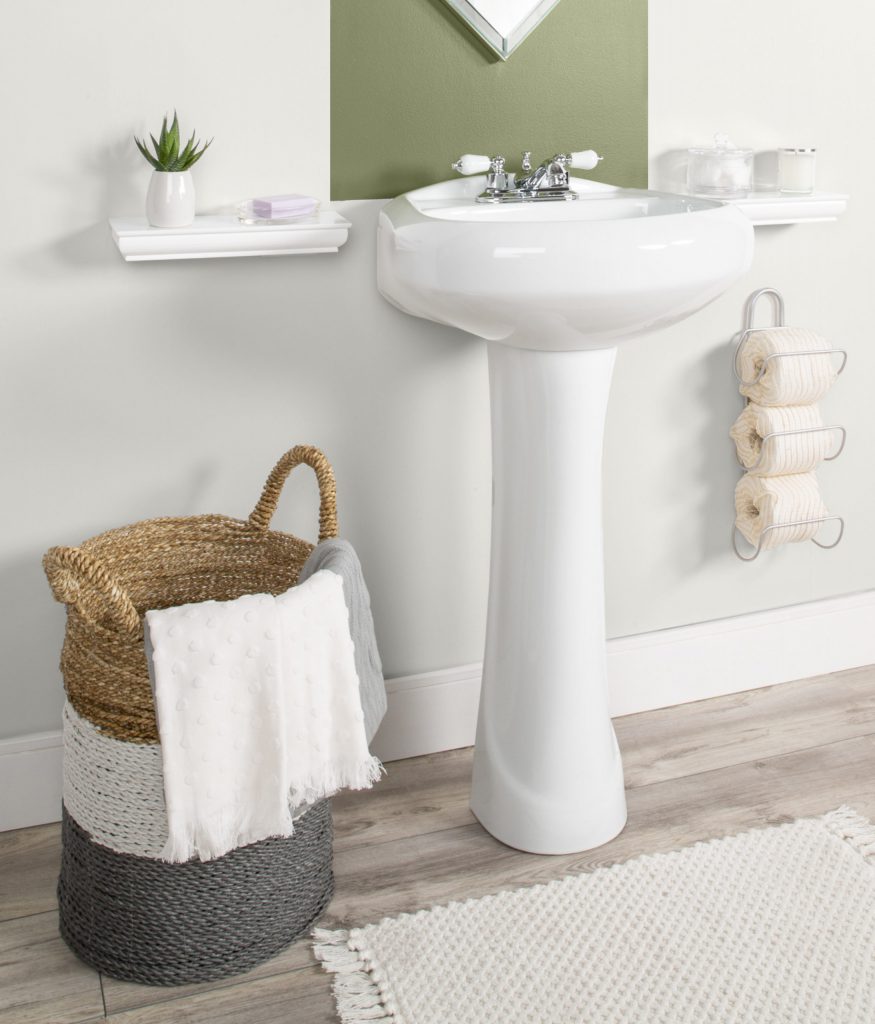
{"x": 338, "y": 556}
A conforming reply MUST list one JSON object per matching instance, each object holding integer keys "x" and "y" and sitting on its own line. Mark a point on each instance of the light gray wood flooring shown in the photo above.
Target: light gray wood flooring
{"x": 692, "y": 772}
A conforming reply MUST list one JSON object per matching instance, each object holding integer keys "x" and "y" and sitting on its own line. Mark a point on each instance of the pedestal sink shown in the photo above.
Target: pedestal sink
{"x": 554, "y": 288}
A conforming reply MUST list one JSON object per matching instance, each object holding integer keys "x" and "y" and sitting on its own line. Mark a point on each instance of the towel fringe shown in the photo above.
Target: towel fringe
{"x": 358, "y": 997}
{"x": 331, "y": 780}
{"x": 214, "y": 839}
{"x": 858, "y": 832}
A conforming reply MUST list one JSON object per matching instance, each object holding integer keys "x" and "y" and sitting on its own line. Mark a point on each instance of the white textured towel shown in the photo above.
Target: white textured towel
{"x": 258, "y": 712}
{"x": 793, "y": 453}
{"x": 762, "y": 501}
{"x": 788, "y": 380}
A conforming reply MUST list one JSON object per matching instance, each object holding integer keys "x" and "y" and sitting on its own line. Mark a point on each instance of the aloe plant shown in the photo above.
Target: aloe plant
{"x": 167, "y": 155}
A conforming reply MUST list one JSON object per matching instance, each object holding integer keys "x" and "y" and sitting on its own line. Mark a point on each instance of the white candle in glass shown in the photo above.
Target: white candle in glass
{"x": 796, "y": 169}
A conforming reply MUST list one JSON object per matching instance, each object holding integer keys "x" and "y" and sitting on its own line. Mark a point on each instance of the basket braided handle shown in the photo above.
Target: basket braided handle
{"x": 78, "y": 579}
{"x": 302, "y": 453}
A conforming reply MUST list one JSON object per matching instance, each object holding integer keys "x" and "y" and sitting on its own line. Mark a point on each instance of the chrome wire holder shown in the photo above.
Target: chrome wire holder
{"x": 749, "y": 329}
{"x": 793, "y": 433}
{"x": 750, "y": 309}
{"x": 785, "y": 526}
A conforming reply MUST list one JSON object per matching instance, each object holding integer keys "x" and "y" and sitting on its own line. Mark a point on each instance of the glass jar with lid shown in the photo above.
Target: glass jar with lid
{"x": 722, "y": 171}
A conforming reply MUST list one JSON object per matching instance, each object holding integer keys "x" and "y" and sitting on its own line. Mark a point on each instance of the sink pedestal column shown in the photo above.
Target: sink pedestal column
{"x": 547, "y": 771}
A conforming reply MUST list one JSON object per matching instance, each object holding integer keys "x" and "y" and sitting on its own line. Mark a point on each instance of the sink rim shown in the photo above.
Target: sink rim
{"x": 434, "y": 203}
{"x": 555, "y": 284}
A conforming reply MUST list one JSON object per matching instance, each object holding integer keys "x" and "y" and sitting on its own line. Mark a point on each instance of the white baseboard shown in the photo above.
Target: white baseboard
{"x": 438, "y": 710}
{"x": 30, "y": 780}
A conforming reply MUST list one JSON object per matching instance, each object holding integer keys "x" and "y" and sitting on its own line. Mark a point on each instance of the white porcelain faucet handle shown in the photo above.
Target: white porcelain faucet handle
{"x": 471, "y": 163}
{"x": 585, "y": 160}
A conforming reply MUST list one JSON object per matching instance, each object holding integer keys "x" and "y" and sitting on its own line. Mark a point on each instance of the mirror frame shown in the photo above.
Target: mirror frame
{"x": 497, "y": 42}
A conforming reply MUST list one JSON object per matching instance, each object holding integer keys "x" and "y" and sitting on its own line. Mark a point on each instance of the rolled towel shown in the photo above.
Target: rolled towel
{"x": 791, "y": 453}
{"x": 791, "y": 380}
{"x": 762, "y": 501}
{"x": 339, "y": 557}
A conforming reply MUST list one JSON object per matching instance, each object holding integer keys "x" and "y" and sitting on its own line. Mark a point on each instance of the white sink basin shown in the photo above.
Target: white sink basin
{"x": 554, "y": 287}
{"x": 558, "y": 275}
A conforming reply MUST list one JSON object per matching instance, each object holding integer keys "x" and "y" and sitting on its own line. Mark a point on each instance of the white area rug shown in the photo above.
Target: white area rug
{"x": 775, "y": 926}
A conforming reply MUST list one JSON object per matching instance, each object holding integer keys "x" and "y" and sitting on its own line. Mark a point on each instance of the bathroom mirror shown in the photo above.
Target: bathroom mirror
{"x": 502, "y": 24}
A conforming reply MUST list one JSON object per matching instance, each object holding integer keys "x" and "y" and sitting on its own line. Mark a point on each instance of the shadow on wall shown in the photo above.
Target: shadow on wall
{"x": 671, "y": 171}
{"x": 82, "y": 252}
{"x": 31, "y": 634}
{"x": 118, "y": 171}
{"x": 85, "y": 249}
{"x": 120, "y": 167}
{"x": 713, "y": 385}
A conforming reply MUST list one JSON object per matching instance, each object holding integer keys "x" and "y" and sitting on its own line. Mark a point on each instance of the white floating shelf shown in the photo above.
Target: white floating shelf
{"x": 779, "y": 208}
{"x": 218, "y": 236}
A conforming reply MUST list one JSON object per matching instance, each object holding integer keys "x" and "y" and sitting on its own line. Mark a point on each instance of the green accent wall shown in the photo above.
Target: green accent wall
{"x": 412, "y": 88}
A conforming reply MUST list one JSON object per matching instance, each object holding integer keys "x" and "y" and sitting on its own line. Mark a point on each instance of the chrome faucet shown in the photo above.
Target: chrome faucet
{"x": 552, "y": 174}
{"x": 550, "y": 181}
{"x": 498, "y": 181}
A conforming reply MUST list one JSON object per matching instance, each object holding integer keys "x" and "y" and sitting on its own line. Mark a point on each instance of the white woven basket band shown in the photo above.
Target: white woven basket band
{"x": 114, "y": 789}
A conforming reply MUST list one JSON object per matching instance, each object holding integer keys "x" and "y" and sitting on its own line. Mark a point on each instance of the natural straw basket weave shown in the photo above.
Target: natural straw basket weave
{"x": 123, "y": 910}
{"x": 111, "y": 580}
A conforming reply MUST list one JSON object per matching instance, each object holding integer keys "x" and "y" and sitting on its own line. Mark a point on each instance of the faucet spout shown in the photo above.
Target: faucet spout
{"x": 552, "y": 174}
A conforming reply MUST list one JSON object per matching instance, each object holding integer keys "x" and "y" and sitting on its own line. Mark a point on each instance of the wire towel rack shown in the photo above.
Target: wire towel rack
{"x": 779, "y": 308}
{"x": 791, "y": 433}
{"x": 749, "y": 329}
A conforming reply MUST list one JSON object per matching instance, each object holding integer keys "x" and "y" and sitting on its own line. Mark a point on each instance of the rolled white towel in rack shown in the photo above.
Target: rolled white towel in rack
{"x": 762, "y": 502}
{"x": 786, "y": 379}
{"x": 786, "y": 452}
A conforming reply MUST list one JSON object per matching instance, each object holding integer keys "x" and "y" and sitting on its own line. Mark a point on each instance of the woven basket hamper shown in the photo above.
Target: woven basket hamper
{"x": 123, "y": 910}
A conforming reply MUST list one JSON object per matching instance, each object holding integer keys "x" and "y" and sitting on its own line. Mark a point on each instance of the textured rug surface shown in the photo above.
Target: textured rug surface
{"x": 774, "y": 926}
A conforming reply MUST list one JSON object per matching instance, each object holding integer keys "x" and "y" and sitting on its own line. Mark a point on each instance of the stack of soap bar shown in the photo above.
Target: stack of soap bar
{"x": 280, "y": 207}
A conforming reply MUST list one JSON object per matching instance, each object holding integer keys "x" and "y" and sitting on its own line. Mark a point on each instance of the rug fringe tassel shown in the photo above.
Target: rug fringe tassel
{"x": 358, "y": 998}
{"x": 856, "y": 830}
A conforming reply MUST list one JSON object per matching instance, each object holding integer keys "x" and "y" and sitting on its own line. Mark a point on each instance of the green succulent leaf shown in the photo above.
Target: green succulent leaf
{"x": 173, "y": 141}
{"x": 156, "y": 148}
{"x": 197, "y": 155}
{"x": 185, "y": 155}
{"x": 151, "y": 159}
{"x": 166, "y": 146}
{"x": 167, "y": 155}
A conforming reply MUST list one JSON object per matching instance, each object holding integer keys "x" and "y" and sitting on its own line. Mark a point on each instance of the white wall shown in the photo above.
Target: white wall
{"x": 139, "y": 390}
{"x": 780, "y": 73}
{"x": 132, "y": 390}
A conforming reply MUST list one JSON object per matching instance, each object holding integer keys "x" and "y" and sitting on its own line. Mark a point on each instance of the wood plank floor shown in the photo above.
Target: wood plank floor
{"x": 692, "y": 772}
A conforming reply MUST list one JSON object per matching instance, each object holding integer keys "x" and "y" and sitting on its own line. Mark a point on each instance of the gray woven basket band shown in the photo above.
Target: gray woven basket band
{"x": 148, "y": 921}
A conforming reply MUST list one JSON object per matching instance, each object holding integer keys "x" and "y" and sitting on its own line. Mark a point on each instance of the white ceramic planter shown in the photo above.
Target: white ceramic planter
{"x": 170, "y": 199}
